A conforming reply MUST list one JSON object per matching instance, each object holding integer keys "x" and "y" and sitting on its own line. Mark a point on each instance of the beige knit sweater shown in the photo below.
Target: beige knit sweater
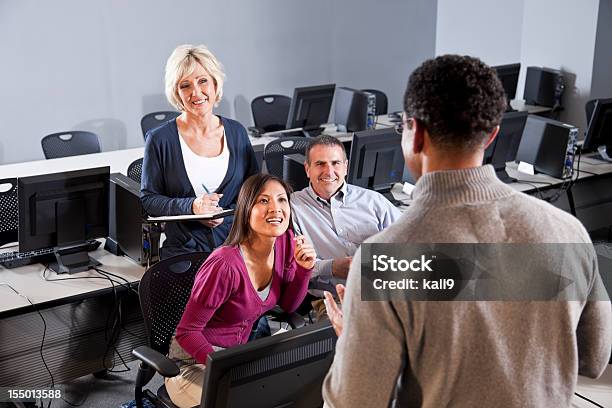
{"x": 469, "y": 354}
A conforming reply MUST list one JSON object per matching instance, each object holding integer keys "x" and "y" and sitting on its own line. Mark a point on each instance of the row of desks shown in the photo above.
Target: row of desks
{"x": 76, "y": 311}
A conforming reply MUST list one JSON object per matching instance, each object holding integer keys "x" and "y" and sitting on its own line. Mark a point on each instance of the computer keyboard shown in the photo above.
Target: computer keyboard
{"x": 16, "y": 259}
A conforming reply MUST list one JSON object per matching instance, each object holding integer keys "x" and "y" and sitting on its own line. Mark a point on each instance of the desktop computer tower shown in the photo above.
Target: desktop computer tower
{"x": 548, "y": 145}
{"x": 543, "y": 86}
{"x": 128, "y": 234}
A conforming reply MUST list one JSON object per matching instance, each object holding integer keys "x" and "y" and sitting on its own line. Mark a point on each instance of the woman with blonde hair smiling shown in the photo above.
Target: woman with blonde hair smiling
{"x": 195, "y": 163}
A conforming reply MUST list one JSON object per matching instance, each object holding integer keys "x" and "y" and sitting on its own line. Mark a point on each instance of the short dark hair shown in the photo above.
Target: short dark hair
{"x": 251, "y": 188}
{"x": 324, "y": 140}
{"x": 458, "y": 99}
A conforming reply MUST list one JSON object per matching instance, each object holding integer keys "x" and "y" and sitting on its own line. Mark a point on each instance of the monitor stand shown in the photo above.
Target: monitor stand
{"x": 72, "y": 259}
{"x": 389, "y": 196}
{"x": 312, "y": 131}
{"x": 603, "y": 154}
{"x": 503, "y": 176}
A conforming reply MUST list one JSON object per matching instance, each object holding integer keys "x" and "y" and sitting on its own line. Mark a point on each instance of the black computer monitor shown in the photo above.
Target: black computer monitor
{"x": 505, "y": 146}
{"x": 294, "y": 172}
{"x": 285, "y": 370}
{"x": 376, "y": 160}
{"x": 310, "y": 108}
{"x": 63, "y": 210}
{"x": 599, "y": 131}
{"x": 351, "y": 110}
{"x": 509, "y": 75}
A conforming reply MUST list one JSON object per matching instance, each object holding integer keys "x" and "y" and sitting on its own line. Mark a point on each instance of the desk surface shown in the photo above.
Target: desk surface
{"x": 118, "y": 160}
{"x": 599, "y": 390}
{"x": 28, "y": 281}
{"x": 521, "y": 106}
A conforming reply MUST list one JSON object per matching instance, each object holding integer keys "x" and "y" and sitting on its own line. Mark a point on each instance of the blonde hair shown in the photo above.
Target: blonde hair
{"x": 182, "y": 62}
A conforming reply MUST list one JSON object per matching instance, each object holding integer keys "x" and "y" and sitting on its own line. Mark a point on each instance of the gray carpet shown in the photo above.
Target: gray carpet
{"x": 111, "y": 391}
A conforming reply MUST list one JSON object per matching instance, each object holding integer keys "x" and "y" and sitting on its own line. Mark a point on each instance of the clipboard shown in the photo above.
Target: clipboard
{"x": 192, "y": 217}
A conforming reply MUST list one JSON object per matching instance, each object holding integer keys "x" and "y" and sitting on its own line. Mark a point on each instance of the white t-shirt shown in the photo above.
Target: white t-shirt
{"x": 205, "y": 173}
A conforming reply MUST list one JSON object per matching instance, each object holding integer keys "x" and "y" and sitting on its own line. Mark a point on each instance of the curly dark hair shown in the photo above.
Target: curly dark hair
{"x": 458, "y": 99}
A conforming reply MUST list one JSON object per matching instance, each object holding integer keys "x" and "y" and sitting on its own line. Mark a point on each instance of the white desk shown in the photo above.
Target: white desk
{"x": 78, "y": 314}
{"x": 28, "y": 281}
{"x": 118, "y": 160}
{"x": 521, "y": 106}
{"x": 599, "y": 390}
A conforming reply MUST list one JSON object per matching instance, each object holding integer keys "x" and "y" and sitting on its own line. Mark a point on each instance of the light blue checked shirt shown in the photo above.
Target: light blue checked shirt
{"x": 337, "y": 228}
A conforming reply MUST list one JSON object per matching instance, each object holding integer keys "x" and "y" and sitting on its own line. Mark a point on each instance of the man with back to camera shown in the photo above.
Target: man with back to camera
{"x": 335, "y": 216}
{"x": 477, "y": 353}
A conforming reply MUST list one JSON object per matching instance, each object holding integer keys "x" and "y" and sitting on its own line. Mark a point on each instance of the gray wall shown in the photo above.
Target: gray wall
{"x": 560, "y": 34}
{"x": 602, "y": 65}
{"x": 557, "y": 34}
{"x": 487, "y": 29}
{"x": 98, "y": 65}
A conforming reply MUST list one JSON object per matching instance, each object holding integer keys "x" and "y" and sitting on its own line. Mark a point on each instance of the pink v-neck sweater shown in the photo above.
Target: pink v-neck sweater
{"x": 224, "y": 305}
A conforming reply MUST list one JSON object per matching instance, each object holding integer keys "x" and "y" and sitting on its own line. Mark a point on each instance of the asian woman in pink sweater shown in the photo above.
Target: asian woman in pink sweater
{"x": 262, "y": 264}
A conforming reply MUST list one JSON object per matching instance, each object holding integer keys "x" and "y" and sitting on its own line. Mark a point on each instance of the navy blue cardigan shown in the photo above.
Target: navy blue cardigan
{"x": 166, "y": 189}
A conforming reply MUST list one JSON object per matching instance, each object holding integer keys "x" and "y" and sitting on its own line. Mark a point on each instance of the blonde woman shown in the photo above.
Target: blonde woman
{"x": 197, "y": 162}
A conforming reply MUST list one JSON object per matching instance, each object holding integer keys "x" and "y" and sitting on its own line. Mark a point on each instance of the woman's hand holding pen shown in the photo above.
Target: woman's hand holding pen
{"x": 208, "y": 204}
{"x": 304, "y": 252}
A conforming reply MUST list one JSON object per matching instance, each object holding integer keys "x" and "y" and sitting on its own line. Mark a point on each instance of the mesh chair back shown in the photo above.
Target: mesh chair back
{"x": 155, "y": 119}
{"x": 71, "y": 143}
{"x": 9, "y": 210}
{"x": 135, "y": 170}
{"x": 277, "y": 149}
{"x": 270, "y": 112}
{"x": 164, "y": 291}
{"x": 381, "y": 100}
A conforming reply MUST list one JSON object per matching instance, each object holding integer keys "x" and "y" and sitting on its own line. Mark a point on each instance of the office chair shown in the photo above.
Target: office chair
{"x": 70, "y": 143}
{"x": 164, "y": 291}
{"x": 155, "y": 119}
{"x": 134, "y": 170}
{"x": 9, "y": 210}
{"x": 275, "y": 151}
{"x": 381, "y": 100}
{"x": 270, "y": 113}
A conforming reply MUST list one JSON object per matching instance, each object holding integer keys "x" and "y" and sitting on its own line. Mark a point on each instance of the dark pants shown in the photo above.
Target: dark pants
{"x": 261, "y": 328}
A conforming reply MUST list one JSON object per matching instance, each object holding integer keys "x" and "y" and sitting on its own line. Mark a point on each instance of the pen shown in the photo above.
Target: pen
{"x": 205, "y": 188}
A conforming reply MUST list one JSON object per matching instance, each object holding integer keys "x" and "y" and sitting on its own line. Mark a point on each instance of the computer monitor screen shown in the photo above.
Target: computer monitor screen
{"x": 63, "y": 210}
{"x": 376, "y": 160}
{"x": 599, "y": 131}
{"x": 285, "y": 370}
{"x": 509, "y": 75}
{"x": 505, "y": 146}
{"x": 351, "y": 110}
{"x": 310, "y": 107}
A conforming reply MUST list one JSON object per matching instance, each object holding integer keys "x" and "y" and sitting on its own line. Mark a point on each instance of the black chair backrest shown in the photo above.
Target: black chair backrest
{"x": 275, "y": 151}
{"x": 381, "y": 100}
{"x": 270, "y": 112}
{"x": 164, "y": 291}
{"x": 9, "y": 210}
{"x": 589, "y": 107}
{"x": 134, "y": 170}
{"x": 70, "y": 143}
{"x": 155, "y": 119}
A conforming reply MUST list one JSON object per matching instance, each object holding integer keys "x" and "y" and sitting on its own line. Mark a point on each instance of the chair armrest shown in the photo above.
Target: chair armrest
{"x": 156, "y": 360}
{"x": 295, "y": 320}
